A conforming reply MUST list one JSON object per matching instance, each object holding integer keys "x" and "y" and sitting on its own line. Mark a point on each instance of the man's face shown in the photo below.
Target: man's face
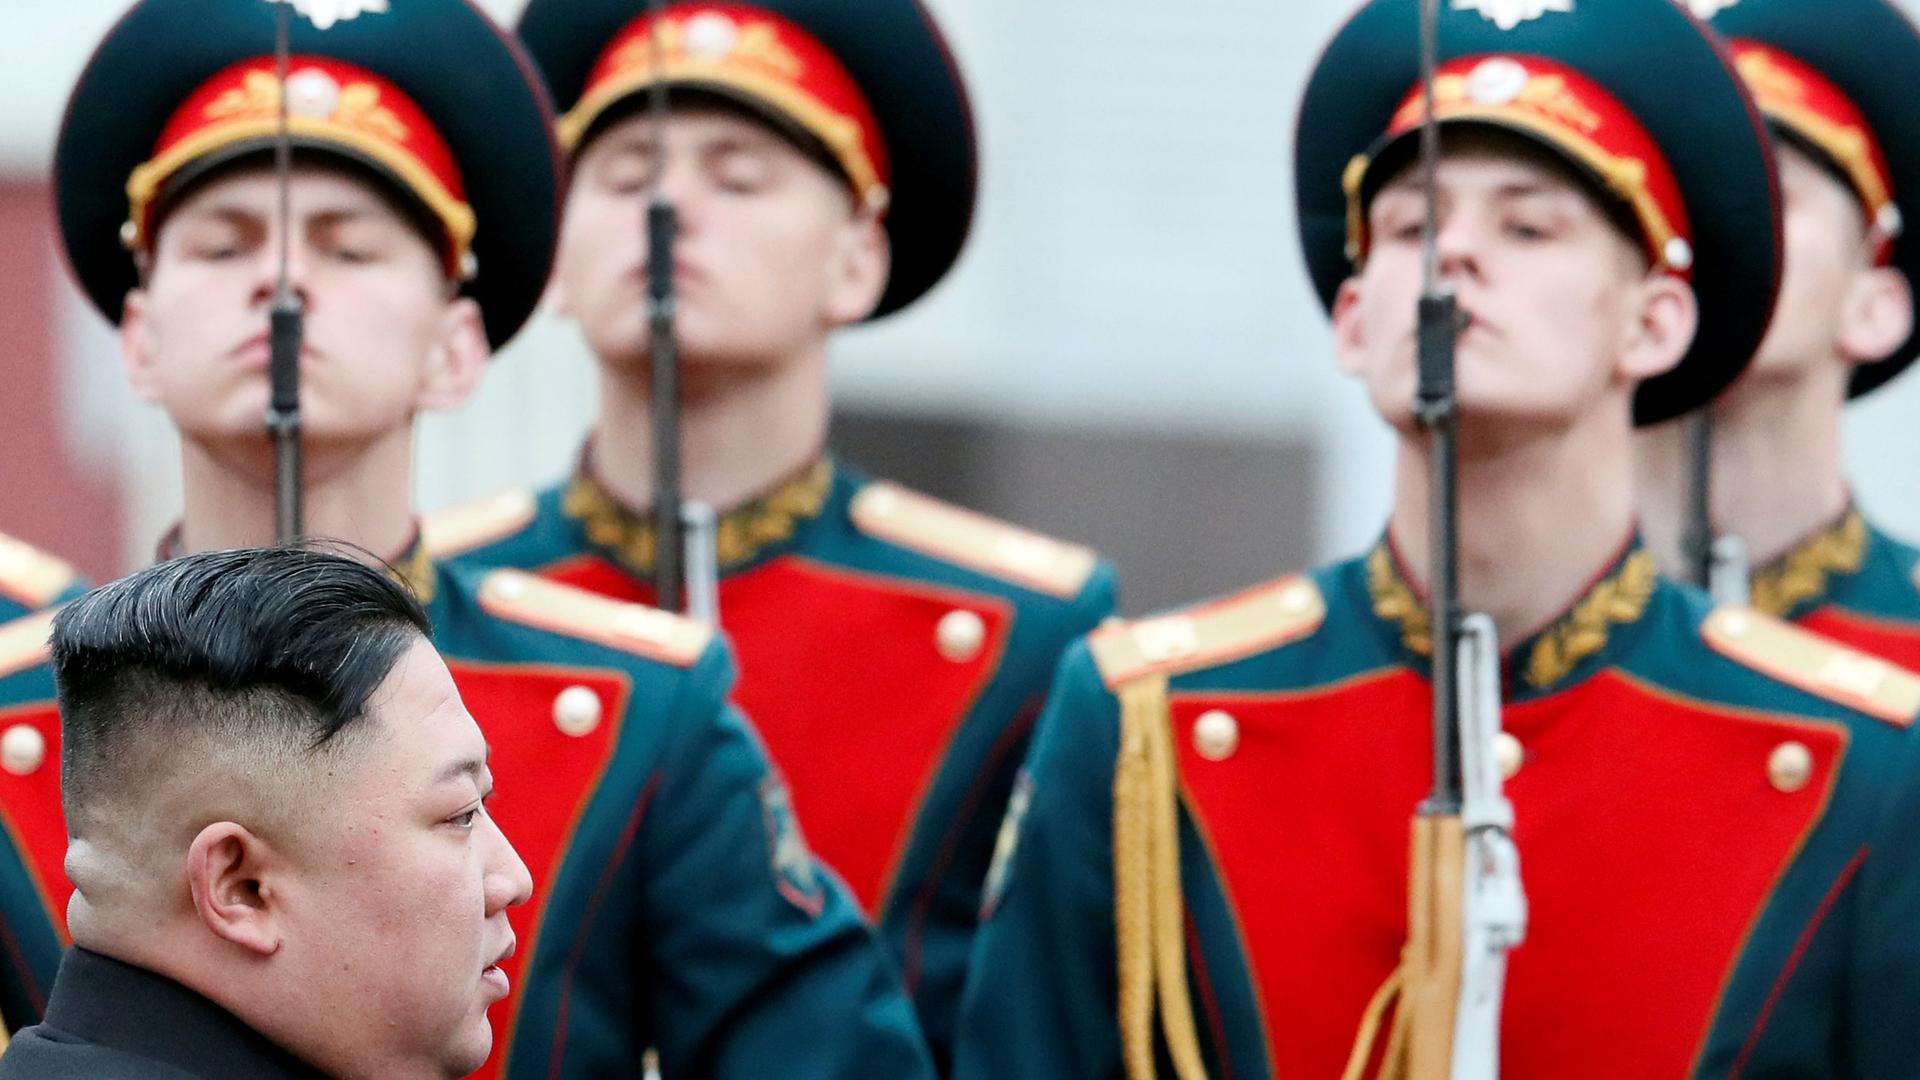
{"x": 771, "y": 256}
{"x": 400, "y": 906}
{"x": 1550, "y": 291}
{"x": 382, "y": 328}
{"x": 1829, "y": 275}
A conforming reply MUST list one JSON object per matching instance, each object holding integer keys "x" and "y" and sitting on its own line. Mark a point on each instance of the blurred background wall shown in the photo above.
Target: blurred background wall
{"x": 1128, "y": 354}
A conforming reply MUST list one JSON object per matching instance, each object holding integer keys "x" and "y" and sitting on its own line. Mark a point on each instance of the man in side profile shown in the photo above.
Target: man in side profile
{"x": 278, "y": 836}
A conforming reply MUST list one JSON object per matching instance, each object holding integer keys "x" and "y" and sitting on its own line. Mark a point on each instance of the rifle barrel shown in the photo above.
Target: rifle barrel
{"x": 669, "y": 548}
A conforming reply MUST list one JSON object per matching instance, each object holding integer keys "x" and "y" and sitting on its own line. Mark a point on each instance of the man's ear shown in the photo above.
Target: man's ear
{"x": 1876, "y": 315}
{"x": 458, "y": 359}
{"x": 234, "y": 877}
{"x": 137, "y": 348}
{"x": 1665, "y": 317}
{"x": 862, "y": 263}
{"x": 1349, "y": 332}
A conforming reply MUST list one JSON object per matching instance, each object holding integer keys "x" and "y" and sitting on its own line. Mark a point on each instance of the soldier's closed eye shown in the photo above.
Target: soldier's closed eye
{"x": 741, "y": 169}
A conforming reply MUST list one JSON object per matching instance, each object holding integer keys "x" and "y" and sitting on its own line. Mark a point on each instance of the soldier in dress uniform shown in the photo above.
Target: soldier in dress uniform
{"x": 894, "y": 649}
{"x": 1205, "y": 868}
{"x": 31, "y": 579}
{"x": 676, "y": 904}
{"x": 1832, "y": 81}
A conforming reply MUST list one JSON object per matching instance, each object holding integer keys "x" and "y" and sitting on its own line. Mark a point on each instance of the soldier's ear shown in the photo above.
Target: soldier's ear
{"x": 1665, "y": 316}
{"x": 137, "y": 348}
{"x": 458, "y": 359}
{"x": 1876, "y": 315}
{"x": 862, "y": 262}
{"x": 234, "y": 878}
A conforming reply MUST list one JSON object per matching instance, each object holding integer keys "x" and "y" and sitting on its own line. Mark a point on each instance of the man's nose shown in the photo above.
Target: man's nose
{"x": 1459, "y": 240}
{"x": 680, "y": 185}
{"x": 267, "y": 266}
{"x": 508, "y": 883}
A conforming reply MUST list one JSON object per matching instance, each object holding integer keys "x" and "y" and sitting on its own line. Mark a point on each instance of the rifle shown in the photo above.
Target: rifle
{"x": 1719, "y": 563}
{"x": 685, "y": 570}
{"x": 285, "y": 321}
{"x": 1466, "y": 906}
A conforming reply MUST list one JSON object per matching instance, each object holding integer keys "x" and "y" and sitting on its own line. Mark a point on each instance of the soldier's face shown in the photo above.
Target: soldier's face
{"x": 384, "y": 336}
{"x": 399, "y": 914}
{"x": 771, "y": 257}
{"x": 1561, "y": 316}
{"x": 1836, "y": 308}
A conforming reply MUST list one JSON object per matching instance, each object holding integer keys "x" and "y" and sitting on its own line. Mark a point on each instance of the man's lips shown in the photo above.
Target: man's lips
{"x": 496, "y": 977}
{"x": 257, "y": 353}
{"x": 684, "y": 273}
{"x": 505, "y": 954}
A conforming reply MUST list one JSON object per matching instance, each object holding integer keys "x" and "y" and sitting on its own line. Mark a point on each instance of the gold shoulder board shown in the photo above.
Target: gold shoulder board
{"x": 892, "y": 513}
{"x": 31, "y": 575}
{"x": 462, "y": 528}
{"x": 1216, "y": 633}
{"x": 562, "y": 609}
{"x": 1815, "y": 664}
{"x": 23, "y": 642}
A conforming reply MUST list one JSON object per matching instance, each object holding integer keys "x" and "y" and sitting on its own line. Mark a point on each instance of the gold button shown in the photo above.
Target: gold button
{"x": 22, "y": 749}
{"x": 1790, "y": 767}
{"x": 1216, "y": 735}
{"x": 1508, "y": 754}
{"x": 576, "y": 710}
{"x": 960, "y": 635}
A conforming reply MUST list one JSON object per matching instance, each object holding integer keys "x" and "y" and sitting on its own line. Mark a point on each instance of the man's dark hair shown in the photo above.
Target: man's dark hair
{"x": 266, "y": 657}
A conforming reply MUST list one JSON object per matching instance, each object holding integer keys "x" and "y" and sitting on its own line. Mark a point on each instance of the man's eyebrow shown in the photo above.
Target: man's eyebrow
{"x": 232, "y": 213}
{"x": 470, "y": 766}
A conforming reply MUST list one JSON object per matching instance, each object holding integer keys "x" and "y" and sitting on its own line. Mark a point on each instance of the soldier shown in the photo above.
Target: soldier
{"x": 894, "y": 650}
{"x": 1829, "y": 81}
{"x": 676, "y": 905}
{"x": 31, "y": 579}
{"x": 1204, "y": 869}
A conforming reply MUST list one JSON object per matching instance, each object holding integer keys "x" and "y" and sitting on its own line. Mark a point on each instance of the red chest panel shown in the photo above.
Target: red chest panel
{"x": 1887, "y": 640}
{"x": 842, "y": 674}
{"x": 1626, "y": 801}
{"x": 544, "y": 778}
{"x": 30, "y": 809}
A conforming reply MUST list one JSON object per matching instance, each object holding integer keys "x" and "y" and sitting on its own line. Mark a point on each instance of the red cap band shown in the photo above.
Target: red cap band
{"x": 750, "y": 53}
{"x": 328, "y": 103}
{"x": 1568, "y": 112}
{"x": 1797, "y": 97}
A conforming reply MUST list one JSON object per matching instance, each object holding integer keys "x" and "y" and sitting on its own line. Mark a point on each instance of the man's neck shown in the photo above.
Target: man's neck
{"x": 1539, "y": 516}
{"x": 742, "y": 430}
{"x": 361, "y": 495}
{"x": 1778, "y": 472}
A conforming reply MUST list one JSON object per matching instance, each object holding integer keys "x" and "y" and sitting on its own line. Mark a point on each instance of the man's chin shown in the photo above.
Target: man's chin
{"x": 474, "y": 1045}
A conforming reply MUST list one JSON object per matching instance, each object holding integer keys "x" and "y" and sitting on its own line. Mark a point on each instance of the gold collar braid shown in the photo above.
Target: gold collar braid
{"x": 741, "y": 533}
{"x": 1803, "y": 573}
{"x": 1617, "y": 599}
{"x": 413, "y": 568}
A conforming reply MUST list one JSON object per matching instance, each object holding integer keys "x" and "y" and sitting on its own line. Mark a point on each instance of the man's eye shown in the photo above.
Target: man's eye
{"x": 1529, "y": 228}
{"x": 213, "y": 251}
{"x": 464, "y": 819}
{"x": 628, "y": 175}
{"x": 742, "y": 173}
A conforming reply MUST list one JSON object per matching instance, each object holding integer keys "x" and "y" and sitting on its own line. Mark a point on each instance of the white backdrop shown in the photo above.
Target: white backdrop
{"x": 1133, "y": 264}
